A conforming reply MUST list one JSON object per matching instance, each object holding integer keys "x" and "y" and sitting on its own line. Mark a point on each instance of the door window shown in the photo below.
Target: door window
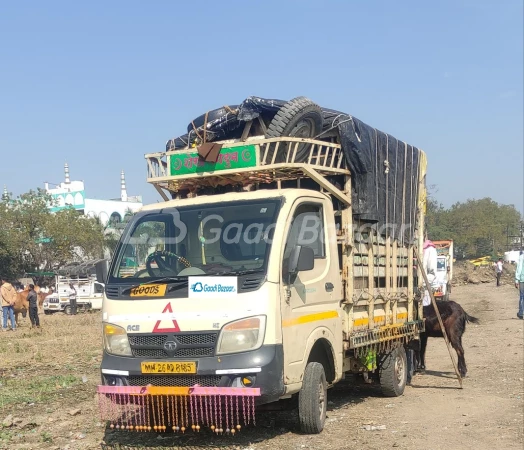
{"x": 307, "y": 229}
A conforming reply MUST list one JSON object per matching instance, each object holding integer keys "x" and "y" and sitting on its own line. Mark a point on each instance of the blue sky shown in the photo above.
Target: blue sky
{"x": 98, "y": 84}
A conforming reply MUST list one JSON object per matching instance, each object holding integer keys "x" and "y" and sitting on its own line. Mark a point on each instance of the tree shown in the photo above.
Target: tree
{"x": 36, "y": 239}
{"x": 113, "y": 231}
{"x": 477, "y": 227}
{"x": 9, "y": 265}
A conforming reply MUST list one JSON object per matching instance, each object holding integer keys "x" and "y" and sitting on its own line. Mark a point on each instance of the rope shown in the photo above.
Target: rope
{"x": 203, "y": 138}
{"x": 205, "y": 127}
{"x": 195, "y": 129}
{"x": 230, "y": 110}
{"x": 333, "y": 126}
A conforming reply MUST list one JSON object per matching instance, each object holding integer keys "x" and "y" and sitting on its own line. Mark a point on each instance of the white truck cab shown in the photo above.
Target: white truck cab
{"x": 89, "y": 291}
{"x": 444, "y": 276}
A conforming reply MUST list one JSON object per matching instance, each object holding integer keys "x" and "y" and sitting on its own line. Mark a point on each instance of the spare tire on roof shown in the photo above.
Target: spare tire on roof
{"x": 300, "y": 118}
{"x": 211, "y": 116}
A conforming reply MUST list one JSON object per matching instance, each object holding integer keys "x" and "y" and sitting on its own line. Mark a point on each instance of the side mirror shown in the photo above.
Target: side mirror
{"x": 301, "y": 259}
{"x": 102, "y": 268}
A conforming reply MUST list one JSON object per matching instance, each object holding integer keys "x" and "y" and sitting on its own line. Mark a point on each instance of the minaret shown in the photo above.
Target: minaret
{"x": 66, "y": 170}
{"x": 5, "y": 195}
{"x": 123, "y": 192}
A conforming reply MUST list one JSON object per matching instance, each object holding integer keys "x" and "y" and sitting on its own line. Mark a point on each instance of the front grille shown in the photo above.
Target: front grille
{"x": 149, "y": 340}
{"x": 186, "y": 345}
{"x": 194, "y": 352}
{"x": 182, "y": 353}
{"x": 252, "y": 284}
{"x": 112, "y": 291}
{"x": 194, "y": 339}
{"x": 149, "y": 353}
{"x": 174, "y": 380}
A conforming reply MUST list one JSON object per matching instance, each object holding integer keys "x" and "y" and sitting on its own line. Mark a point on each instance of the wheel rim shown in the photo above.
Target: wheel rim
{"x": 399, "y": 370}
{"x": 321, "y": 400}
{"x": 303, "y": 129}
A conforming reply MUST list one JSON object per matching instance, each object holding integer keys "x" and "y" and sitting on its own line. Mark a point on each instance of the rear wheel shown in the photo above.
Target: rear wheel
{"x": 312, "y": 399}
{"x": 393, "y": 372}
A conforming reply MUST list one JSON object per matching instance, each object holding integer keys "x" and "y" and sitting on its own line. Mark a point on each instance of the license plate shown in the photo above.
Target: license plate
{"x": 170, "y": 367}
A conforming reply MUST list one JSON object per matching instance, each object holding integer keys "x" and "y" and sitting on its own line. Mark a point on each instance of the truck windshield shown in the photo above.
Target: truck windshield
{"x": 227, "y": 238}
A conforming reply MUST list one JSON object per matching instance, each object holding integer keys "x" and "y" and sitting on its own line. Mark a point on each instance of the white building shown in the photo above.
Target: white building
{"x": 112, "y": 211}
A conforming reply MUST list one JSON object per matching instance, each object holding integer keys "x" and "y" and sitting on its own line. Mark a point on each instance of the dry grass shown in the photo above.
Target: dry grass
{"x": 61, "y": 360}
{"x": 46, "y": 368}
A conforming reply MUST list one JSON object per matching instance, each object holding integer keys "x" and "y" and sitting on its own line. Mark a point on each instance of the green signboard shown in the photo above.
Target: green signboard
{"x": 228, "y": 158}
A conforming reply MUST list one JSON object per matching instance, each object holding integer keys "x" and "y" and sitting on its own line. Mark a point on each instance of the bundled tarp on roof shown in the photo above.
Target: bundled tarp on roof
{"x": 385, "y": 171}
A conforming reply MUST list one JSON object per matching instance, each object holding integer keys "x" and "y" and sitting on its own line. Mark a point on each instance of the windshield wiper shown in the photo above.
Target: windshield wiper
{"x": 163, "y": 280}
{"x": 241, "y": 272}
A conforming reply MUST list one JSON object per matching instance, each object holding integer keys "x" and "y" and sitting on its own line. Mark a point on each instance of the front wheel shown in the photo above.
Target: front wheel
{"x": 312, "y": 399}
{"x": 393, "y": 372}
{"x": 67, "y": 310}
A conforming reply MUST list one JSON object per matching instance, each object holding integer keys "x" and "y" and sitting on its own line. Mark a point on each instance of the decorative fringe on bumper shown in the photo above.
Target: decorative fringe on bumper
{"x": 135, "y": 408}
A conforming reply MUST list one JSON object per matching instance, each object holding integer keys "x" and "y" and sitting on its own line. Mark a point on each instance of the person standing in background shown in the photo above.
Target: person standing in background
{"x": 32, "y": 298}
{"x": 519, "y": 284}
{"x": 8, "y": 297}
{"x": 72, "y": 299}
{"x": 498, "y": 270}
{"x": 429, "y": 264}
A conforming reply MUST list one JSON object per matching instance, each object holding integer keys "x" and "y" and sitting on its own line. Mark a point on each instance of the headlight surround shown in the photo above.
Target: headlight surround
{"x": 116, "y": 341}
{"x": 242, "y": 335}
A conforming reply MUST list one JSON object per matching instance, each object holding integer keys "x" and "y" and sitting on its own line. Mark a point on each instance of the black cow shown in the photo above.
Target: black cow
{"x": 454, "y": 319}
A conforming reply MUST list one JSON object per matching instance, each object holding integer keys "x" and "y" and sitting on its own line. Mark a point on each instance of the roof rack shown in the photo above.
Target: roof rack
{"x": 244, "y": 163}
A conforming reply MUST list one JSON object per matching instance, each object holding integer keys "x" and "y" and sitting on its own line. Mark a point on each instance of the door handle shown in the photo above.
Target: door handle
{"x": 329, "y": 287}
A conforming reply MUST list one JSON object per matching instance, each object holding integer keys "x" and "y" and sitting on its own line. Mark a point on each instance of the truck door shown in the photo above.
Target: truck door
{"x": 311, "y": 299}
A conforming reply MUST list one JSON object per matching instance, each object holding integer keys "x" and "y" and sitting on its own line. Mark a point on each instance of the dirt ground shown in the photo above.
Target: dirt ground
{"x": 48, "y": 380}
{"x": 466, "y": 273}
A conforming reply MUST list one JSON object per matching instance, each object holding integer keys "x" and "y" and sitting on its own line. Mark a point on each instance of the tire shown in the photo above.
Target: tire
{"x": 393, "y": 372}
{"x": 67, "y": 310}
{"x": 47, "y": 312}
{"x": 300, "y": 118}
{"x": 211, "y": 116}
{"x": 312, "y": 399}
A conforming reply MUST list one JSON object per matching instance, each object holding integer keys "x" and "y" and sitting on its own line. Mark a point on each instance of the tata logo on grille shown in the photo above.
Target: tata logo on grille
{"x": 213, "y": 287}
{"x": 170, "y": 346}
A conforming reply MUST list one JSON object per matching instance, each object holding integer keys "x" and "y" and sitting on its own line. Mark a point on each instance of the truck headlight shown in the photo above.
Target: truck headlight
{"x": 115, "y": 340}
{"x": 242, "y": 335}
